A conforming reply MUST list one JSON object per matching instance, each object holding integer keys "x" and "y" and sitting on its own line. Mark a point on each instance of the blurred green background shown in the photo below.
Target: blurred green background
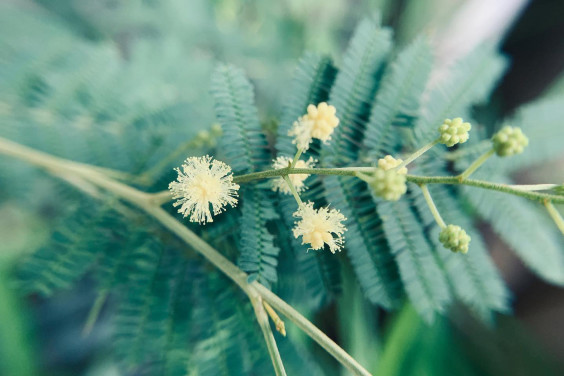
{"x": 41, "y": 336}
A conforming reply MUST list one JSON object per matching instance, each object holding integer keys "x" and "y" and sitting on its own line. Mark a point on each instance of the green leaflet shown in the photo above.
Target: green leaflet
{"x": 541, "y": 121}
{"x": 354, "y": 89}
{"x": 522, "y": 225}
{"x": 73, "y": 250}
{"x": 246, "y": 149}
{"x": 469, "y": 82}
{"x": 473, "y": 277}
{"x": 259, "y": 255}
{"x": 398, "y": 98}
{"x": 365, "y": 242}
{"x": 317, "y": 275}
{"x": 243, "y": 142}
{"x": 311, "y": 83}
{"x": 423, "y": 279}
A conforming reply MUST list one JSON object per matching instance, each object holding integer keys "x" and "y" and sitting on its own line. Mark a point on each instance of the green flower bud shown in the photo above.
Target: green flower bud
{"x": 509, "y": 141}
{"x": 454, "y": 132}
{"x": 388, "y": 184}
{"x": 455, "y": 238}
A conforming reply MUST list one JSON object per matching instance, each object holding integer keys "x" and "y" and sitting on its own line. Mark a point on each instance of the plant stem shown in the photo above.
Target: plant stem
{"x": 512, "y": 189}
{"x": 432, "y": 206}
{"x": 296, "y": 158}
{"x": 58, "y": 166}
{"x": 293, "y": 190}
{"x": 264, "y": 324}
{"x": 95, "y": 312}
{"x": 477, "y": 163}
{"x": 417, "y": 154}
{"x": 317, "y": 335}
{"x": 527, "y": 191}
{"x": 555, "y": 215}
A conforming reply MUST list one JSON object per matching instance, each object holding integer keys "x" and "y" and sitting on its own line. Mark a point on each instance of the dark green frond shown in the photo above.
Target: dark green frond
{"x": 311, "y": 83}
{"x": 473, "y": 276}
{"x": 243, "y": 142}
{"x": 366, "y": 244}
{"x": 74, "y": 248}
{"x": 529, "y": 232}
{"x": 398, "y": 98}
{"x": 541, "y": 121}
{"x": 423, "y": 279}
{"x": 259, "y": 255}
{"x": 469, "y": 82}
{"x": 354, "y": 88}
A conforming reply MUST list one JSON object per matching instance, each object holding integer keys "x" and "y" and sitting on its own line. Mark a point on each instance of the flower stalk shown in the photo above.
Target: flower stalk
{"x": 432, "y": 206}
{"x": 476, "y": 164}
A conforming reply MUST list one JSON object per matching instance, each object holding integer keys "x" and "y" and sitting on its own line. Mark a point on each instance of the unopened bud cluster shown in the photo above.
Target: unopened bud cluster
{"x": 454, "y": 132}
{"x": 455, "y": 238}
{"x": 509, "y": 141}
{"x": 388, "y": 184}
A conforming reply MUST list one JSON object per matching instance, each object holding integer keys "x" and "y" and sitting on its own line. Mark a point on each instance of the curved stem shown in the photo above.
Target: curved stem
{"x": 262, "y": 319}
{"x": 58, "y": 166}
{"x": 476, "y": 164}
{"x": 293, "y": 190}
{"x": 527, "y": 191}
{"x": 317, "y": 335}
{"x": 555, "y": 215}
{"x": 432, "y": 206}
{"x": 417, "y": 154}
{"x": 296, "y": 158}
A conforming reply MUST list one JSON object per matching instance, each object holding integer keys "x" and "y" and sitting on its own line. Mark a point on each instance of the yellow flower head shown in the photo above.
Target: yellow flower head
{"x": 320, "y": 227}
{"x": 203, "y": 182}
{"x": 297, "y": 180}
{"x": 389, "y": 162}
{"x": 319, "y": 122}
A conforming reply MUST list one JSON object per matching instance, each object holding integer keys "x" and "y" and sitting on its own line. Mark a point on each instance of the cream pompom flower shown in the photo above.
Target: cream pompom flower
{"x": 297, "y": 180}
{"x": 318, "y": 227}
{"x": 203, "y": 182}
{"x": 389, "y": 162}
{"x": 319, "y": 122}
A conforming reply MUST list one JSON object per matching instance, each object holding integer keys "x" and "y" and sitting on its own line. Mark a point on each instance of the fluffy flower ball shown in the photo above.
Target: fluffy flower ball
{"x": 454, "y": 132}
{"x": 297, "y": 180}
{"x": 388, "y": 184}
{"x": 318, "y": 227}
{"x": 319, "y": 122}
{"x": 201, "y": 183}
{"x": 455, "y": 238}
{"x": 389, "y": 163}
{"x": 509, "y": 141}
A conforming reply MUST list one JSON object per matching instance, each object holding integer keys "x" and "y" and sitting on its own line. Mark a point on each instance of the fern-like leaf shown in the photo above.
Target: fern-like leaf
{"x": 469, "y": 82}
{"x": 528, "y": 231}
{"x": 398, "y": 98}
{"x": 422, "y": 277}
{"x": 311, "y": 83}
{"x": 259, "y": 255}
{"x": 243, "y": 141}
{"x": 366, "y": 244}
{"x": 354, "y": 88}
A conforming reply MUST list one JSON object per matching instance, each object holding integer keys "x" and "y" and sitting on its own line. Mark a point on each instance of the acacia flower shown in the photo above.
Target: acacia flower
{"x": 297, "y": 180}
{"x": 318, "y": 227}
{"x": 509, "y": 141}
{"x": 319, "y": 122}
{"x": 389, "y": 162}
{"x": 388, "y": 184}
{"x": 454, "y": 132}
{"x": 455, "y": 238}
{"x": 203, "y": 182}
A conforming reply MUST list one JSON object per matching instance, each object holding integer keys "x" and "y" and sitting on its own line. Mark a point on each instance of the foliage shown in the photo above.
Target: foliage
{"x": 81, "y": 97}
